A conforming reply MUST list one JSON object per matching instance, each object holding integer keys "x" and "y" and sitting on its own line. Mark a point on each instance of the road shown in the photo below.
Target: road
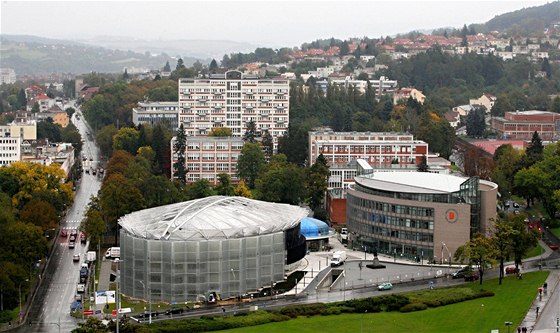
{"x": 50, "y": 311}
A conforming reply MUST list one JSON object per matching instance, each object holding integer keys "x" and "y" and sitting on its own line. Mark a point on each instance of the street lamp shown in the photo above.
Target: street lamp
{"x": 508, "y": 324}
{"x": 20, "y": 312}
{"x": 362, "y": 322}
{"x": 149, "y": 300}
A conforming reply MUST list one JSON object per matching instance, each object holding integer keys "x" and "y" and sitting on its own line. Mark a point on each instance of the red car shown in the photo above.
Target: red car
{"x": 512, "y": 270}
{"x": 63, "y": 233}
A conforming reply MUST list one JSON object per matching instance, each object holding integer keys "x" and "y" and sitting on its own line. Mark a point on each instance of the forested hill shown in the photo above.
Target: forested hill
{"x": 37, "y": 55}
{"x": 527, "y": 21}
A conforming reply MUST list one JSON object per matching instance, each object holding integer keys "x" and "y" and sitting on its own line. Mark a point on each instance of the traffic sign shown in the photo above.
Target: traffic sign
{"x": 88, "y": 312}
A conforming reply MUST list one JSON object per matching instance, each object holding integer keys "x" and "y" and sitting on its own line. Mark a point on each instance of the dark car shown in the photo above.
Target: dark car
{"x": 461, "y": 273}
{"x": 74, "y": 232}
{"x": 506, "y": 204}
{"x": 174, "y": 311}
{"x": 63, "y": 233}
{"x": 146, "y": 314}
{"x": 72, "y": 238}
{"x": 515, "y": 205}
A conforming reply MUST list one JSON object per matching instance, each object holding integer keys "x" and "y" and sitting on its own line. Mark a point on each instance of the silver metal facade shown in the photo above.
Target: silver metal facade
{"x": 180, "y": 271}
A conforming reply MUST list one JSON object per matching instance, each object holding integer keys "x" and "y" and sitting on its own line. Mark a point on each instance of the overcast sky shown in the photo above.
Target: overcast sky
{"x": 266, "y": 23}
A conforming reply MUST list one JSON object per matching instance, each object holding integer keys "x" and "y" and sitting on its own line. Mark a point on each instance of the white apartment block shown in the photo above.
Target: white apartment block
{"x": 153, "y": 113}
{"x": 232, "y": 100}
{"x": 206, "y": 157}
{"x": 10, "y": 146}
{"x": 382, "y": 86}
{"x": 7, "y": 76}
{"x": 380, "y": 150}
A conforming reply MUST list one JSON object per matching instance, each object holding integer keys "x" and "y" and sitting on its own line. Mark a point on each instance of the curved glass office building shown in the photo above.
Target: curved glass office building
{"x": 417, "y": 215}
{"x": 228, "y": 245}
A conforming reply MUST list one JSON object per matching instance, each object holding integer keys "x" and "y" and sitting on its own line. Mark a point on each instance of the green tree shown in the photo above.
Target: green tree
{"x": 70, "y": 112}
{"x": 180, "y": 64}
{"x": 213, "y": 66}
{"x": 478, "y": 251}
{"x": 250, "y": 164}
{"x": 104, "y": 139}
{"x": 21, "y": 99}
{"x": 93, "y": 224}
{"x": 283, "y": 182}
{"x": 118, "y": 196}
{"x": 224, "y": 186}
{"x": 199, "y": 189}
{"x": 317, "y": 177}
{"x": 251, "y": 133}
{"x": 534, "y": 151}
{"x": 268, "y": 145}
{"x": 126, "y": 139}
{"x": 160, "y": 143}
{"x": 179, "y": 148}
{"x": 36, "y": 108}
{"x": 503, "y": 242}
{"x": 476, "y": 123}
{"x": 554, "y": 105}
{"x": 523, "y": 238}
{"x": 167, "y": 68}
{"x": 159, "y": 191}
{"x": 423, "y": 166}
{"x": 49, "y": 130}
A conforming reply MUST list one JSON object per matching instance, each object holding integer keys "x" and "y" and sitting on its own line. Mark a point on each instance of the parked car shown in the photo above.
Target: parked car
{"x": 83, "y": 238}
{"x": 512, "y": 270}
{"x": 385, "y": 286}
{"x": 71, "y": 245}
{"x": 471, "y": 276}
{"x": 76, "y": 257}
{"x": 174, "y": 311}
{"x": 146, "y": 314}
{"x": 515, "y": 205}
{"x": 74, "y": 232}
{"x": 516, "y": 212}
{"x": 506, "y": 204}
{"x": 63, "y": 233}
{"x": 72, "y": 238}
{"x": 461, "y": 273}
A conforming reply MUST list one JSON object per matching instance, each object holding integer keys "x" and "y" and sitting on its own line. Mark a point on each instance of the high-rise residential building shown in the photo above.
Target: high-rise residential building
{"x": 206, "y": 157}
{"x": 7, "y": 76}
{"x": 232, "y": 100}
{"x": 380, "y": 150}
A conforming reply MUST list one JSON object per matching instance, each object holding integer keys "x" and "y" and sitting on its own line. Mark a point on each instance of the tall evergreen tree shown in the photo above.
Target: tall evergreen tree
{"x": 251, "y": 133}
{"x": 213, "y": 66}
{"x": 125, "y": 75}
{"x": 21, "y": 99}
{"x": 423, "y": 166}
{"x": 159, "y": 144}
{"x": 167, "y": 68}
{"x": 180, "y": 166}
{"x": 180, "y": 64}
{"x": 268, "y": 145}
{"x": 534, "y": 152}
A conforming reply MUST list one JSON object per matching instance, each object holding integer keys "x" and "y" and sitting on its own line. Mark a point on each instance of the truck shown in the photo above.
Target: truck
{"x": 90, "y": 256}
{"x": 113, "y": 252}
{"x": 338, "y": 258}
{"x": 343, "y": 236}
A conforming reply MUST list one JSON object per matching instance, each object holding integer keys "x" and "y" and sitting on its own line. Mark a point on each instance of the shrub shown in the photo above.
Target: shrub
{"x": 313, "y": 309}
{"x": 414, "y": 307}
{"x": 432, "y": 303}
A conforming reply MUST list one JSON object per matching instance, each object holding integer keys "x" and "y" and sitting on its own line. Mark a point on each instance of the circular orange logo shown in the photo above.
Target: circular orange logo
{"x": 451, "y": 216}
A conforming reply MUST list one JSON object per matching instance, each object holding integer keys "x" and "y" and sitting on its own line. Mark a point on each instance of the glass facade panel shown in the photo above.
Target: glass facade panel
{"x": 179, "y": 271}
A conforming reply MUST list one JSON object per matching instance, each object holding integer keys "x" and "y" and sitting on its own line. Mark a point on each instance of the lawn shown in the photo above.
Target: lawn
{"x": 535, "y": 252}
{"x": 511, "y": 303}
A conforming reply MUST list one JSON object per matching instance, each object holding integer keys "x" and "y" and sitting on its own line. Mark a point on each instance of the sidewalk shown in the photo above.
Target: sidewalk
{"x": 531, "y": 318}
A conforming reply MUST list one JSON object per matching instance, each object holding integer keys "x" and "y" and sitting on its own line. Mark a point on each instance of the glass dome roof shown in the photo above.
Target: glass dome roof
{"x": 313, "y": 228}
{"x": 215, "y": 217}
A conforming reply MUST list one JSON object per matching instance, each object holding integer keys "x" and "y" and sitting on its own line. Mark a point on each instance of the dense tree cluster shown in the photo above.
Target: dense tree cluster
{"x": 33, "y": 197}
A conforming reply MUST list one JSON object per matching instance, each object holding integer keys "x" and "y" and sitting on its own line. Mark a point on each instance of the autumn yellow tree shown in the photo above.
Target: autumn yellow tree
{"x": 47, "y": 181}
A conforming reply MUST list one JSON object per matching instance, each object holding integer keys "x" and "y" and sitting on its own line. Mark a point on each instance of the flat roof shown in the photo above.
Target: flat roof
{"x": 411, "y": 182}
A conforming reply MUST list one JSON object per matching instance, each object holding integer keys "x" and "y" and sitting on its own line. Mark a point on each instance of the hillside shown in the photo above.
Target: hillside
{"x": 527, "y": 21}
{"x": 37, "y": 55}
